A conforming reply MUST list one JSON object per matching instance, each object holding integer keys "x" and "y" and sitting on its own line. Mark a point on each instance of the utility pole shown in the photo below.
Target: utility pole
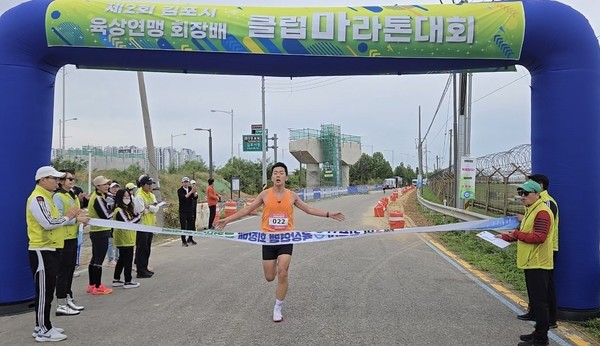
{"x": 62, "y": 145}
{"x": 420, "y": 151}
{"x": 152, "y": 171}
{"x": 455, "y": 142}
{"x": 264, "y": 136}
{"x": 450, "y": 147}
{"x": 426, "y": 166}
{"x": 274, "y": 147}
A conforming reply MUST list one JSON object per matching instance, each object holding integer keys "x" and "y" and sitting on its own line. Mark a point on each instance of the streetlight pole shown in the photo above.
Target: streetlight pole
{"x": 62, "y": 127}
{"x": 63, "y": 130}
{"x": 392, "y": 158}
{"x": 172, "y": 148}
{"x": 210, "y": 155}
{"x": 230, "y": 114}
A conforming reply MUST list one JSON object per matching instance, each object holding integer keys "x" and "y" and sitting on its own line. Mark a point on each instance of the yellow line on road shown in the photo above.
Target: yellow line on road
{"x": 576, "y": 340}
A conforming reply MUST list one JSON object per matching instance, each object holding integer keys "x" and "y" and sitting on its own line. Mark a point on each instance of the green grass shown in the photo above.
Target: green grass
{"x": 500, "y": 264}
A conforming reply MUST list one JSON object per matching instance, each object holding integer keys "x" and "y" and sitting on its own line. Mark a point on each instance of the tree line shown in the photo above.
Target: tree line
{"x": 368, "y": 170}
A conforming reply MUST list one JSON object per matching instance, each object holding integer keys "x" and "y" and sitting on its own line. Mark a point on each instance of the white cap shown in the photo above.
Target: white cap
{"x": 193, "y": 182}
{"x": 48, "y": 171}
{"x": 184, "y": 179}
{"x": 114, "y": 184}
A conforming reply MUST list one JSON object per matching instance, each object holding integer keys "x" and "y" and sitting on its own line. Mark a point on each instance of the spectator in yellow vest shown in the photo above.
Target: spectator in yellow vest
{"x": 535, "y": 257}
{"x": 43, "y": 221}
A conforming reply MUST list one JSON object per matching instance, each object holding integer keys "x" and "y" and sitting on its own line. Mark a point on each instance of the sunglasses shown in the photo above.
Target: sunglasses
{"x": 523, "y": 193}
{"x": 71, "y": 179}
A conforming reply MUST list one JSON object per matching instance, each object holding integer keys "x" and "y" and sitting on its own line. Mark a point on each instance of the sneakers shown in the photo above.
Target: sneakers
{"x": 36, "y": 331}
{"x": 277, "y": 316}
{"x": 526, "y": 317}
{"x": 117, "y": 283}
{"x": 65, "y": 310}
{"x": 72, "y": 305}
{"x": 101, "y": 290}
{"x": 184, "y": 244}
{"x": 192, "y": 241}
{"x": 131, "y": 284}
{"x": 534, "y": 342}
{"x": 90, "y": 288}
{"x": 112, "y": 263}
{"x": 144, "y": 274}
{"x": 51, "y": 335}
{"x": 76, "y": 274}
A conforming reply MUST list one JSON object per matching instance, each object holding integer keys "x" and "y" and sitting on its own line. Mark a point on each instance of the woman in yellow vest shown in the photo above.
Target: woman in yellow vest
{"x": 278, "y": 216}
{"x": 535, "y": 257}
{"x": 65, "y": 199}
{"x": 98, "y": 209}
{"x": 124, "y": 240}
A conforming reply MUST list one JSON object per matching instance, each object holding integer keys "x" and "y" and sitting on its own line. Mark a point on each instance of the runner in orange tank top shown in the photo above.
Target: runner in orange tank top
{"x": 278, "y": 216}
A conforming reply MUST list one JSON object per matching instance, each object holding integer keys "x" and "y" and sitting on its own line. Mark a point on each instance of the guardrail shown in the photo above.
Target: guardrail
{"x": 451, "y": 211}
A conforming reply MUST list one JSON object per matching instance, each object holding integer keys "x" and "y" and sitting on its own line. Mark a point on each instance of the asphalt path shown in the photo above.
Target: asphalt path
{"x": 392, "y": 289}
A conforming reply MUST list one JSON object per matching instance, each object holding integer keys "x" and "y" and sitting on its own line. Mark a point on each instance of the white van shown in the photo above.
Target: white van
{"x": 389, "y": 183}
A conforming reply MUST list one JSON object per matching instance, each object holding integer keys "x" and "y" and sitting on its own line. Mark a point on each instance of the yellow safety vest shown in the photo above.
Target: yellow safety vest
{"x": 38, "y": 236}
{"x": 68, "y": 202}
{"x": 148, "y": 197}
{"x": 93, "y": 214}
{"x": 122, "y": 237}
{"x": 535, "y": 256}
{"x": 545, "y": 196}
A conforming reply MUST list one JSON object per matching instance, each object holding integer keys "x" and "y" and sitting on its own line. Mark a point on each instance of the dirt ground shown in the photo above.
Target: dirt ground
{"x": 407, "y": 204}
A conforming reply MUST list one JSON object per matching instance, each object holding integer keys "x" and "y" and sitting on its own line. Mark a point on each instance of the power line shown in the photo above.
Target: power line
{"x": 307, "y": 87}
{"x": 304, "y": 80}
{"x": 438, "y": 107}
{"x": 500, "y": 88}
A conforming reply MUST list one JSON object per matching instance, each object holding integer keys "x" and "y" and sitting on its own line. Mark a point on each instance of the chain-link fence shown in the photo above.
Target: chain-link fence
{"x": 498, "y": 176}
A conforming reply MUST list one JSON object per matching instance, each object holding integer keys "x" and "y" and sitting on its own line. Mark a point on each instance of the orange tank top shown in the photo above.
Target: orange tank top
{"x": 278, "y": 214}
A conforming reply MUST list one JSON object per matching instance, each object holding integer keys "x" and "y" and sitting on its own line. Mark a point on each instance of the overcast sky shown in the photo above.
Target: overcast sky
{"x": 382, "y": 110}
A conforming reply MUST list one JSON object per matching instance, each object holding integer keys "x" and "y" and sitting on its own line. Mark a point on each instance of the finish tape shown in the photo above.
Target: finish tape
{"x": 301, "y": 237}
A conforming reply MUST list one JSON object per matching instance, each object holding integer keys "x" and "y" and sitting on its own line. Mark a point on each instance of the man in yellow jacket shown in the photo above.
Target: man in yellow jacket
{"x": 535, "y": 256}
{"x": 46, "y": 234}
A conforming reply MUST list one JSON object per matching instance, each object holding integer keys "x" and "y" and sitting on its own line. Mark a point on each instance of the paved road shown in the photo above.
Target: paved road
{"x": 383, "y": 290}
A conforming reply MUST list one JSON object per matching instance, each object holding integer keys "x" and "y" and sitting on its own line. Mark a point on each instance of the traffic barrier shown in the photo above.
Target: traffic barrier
{"x": 396, "y": 220}
{"x": 230, "y": 208}
{"x": 379, "y": 210}
{"x": 384, "y": 201}
{"x": 217, "y": 213}
{"x": 202, "y": 216}
{"x": 248, "y": 202}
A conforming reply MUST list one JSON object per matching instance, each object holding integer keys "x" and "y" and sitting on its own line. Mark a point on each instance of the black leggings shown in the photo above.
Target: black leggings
{"x": 212, "y": 213}
{"x": 67, "y": 259}
{"x": 99, "y": 248}
{"x": 124, "y": 263}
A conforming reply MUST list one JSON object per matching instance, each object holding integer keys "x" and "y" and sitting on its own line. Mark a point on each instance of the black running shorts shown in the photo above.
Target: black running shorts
{"x": 271, "y": 252}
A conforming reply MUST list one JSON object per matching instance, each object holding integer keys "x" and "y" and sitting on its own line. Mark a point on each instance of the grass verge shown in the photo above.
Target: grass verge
{"x": 500, "y": 264}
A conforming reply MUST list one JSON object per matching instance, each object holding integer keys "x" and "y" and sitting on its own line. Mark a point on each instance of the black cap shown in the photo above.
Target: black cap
{"x": 540, "y": 179}
{"x": 145, "y": 180}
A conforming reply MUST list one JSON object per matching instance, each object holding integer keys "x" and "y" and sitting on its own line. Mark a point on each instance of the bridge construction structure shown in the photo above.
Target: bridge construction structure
{"x": 327, "y": 154}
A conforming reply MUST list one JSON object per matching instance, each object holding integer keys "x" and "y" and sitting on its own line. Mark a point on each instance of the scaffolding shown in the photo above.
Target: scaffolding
{"x": 329, "y": 170}
{"x": 331, "y": 144}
